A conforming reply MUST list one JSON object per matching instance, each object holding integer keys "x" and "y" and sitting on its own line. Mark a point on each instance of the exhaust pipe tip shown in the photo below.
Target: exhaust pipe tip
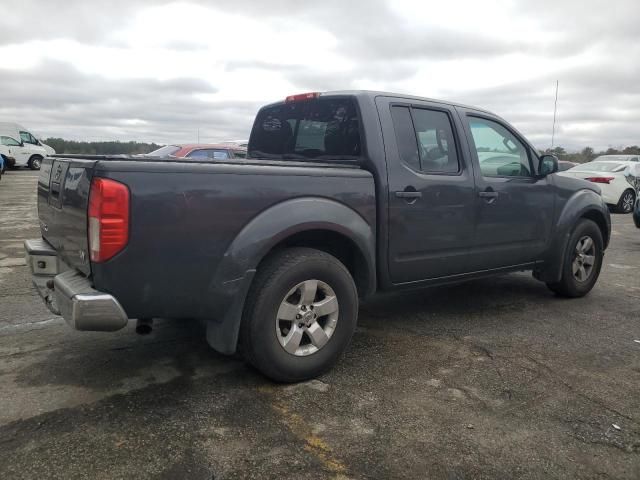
{"x": 144, "y": 326}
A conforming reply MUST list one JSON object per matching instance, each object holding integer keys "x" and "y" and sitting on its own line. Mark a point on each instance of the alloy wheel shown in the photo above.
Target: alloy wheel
{"x": 627, "y": 202}
{"x": 307, "y": 318}
{"x": 584, "y": 258}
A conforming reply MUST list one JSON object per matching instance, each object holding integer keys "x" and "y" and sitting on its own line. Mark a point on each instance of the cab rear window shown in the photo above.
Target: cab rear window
{"x": 321, "y": 128}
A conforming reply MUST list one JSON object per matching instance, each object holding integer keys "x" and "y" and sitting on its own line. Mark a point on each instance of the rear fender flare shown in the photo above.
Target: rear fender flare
{"x": 282, "y": 220}
{"x": 231, "y": 282}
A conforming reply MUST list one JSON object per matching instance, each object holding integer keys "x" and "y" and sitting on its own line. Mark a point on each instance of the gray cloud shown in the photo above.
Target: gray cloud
{"x": 75, "y": 105}
{"x": 599, "y": 103}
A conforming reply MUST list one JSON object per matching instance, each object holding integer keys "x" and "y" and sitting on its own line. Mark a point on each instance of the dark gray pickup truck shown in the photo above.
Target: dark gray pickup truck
{"x": 344, "y": 194}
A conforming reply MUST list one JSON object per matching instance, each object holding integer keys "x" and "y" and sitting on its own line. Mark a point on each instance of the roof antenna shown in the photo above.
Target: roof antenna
{"x": 555, "y": 109}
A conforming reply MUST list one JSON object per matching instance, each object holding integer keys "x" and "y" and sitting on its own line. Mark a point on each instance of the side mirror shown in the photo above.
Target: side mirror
{"x": 548, "y": 165}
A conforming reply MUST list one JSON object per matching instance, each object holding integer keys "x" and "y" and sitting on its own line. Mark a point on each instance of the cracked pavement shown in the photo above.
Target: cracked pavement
{"x": 491, "y": 379}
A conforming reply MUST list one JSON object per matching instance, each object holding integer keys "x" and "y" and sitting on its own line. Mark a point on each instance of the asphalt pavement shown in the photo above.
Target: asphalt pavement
{"x": 494, "y": 379}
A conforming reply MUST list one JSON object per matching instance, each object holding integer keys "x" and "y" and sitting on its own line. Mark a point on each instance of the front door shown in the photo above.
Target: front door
{"x": 514, "y": 206}
{"x": 15, "y": 149}
{"x": 431, "y": 191}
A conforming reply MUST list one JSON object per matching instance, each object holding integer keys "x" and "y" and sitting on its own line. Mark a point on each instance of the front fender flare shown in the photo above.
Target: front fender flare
{"x": 580, "y": 205}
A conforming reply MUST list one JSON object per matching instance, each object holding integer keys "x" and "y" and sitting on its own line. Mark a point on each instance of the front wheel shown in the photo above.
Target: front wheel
{"x": 626, "y": 202}
{"x": 300, "y": 314}
{"x": 34, "y": 163}
{"x": 582, "y": 262}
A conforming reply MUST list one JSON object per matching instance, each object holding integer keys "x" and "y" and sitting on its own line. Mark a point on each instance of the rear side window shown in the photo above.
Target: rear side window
{"x": 321, "y": 128}
{"x": 164, "y": 151}
{"x": 209, "y": 154}
{"x": 425, "y": 139}
{"x": 406, "y": 136}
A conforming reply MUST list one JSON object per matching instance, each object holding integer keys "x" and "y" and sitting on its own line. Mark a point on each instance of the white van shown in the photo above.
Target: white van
{"x": 20, "y": 147}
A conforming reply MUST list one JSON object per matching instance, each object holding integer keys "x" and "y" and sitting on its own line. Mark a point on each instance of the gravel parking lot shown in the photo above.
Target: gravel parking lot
{"x": 491, "y": 379}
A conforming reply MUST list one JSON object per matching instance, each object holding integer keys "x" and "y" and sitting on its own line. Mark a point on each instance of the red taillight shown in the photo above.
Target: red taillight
{"x": 108, "y": 218}
{"x": 302, "y": 96}
{"x": 606, "y": 180}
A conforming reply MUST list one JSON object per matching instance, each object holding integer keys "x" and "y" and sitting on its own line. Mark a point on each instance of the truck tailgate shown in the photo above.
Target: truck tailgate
{"x": 63, "y": 197}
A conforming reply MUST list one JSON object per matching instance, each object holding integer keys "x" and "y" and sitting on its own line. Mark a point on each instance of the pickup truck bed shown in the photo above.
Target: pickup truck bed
{"x": 185, "y": 222}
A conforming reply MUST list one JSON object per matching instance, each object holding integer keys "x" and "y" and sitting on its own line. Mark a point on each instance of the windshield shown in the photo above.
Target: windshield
{"x": 164, "y": 151}
{"x": 323, "y": 128}
{"x": 599, "y": 167}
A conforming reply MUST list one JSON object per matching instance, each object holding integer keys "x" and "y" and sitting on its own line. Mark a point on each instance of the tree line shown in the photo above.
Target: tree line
{"x": 587, "y": 154}
{"x": 100, "y": 148}
{"x": 131, "y": 148}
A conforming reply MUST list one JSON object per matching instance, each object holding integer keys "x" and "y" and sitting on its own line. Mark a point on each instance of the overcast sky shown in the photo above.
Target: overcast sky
{"x": 159, "y": 71}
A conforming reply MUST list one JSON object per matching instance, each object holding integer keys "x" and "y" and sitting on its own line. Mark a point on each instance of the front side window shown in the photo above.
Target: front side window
{"x": 500, "y": 153}
{"x": 28, "y": 138}
{"x": 9, "y": 142}
{"x": 425, "y": 139}
{"x": 321, "y": 128}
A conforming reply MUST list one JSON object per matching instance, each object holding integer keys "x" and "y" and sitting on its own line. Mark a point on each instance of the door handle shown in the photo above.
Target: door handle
{"x": 488, "y": 194}
{"x": 409, "y": 194}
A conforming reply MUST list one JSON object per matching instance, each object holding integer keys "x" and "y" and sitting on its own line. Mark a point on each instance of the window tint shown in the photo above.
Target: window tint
{"x": 239, "y": 154}
{"x": 435, "y": 141}
{"x": 323, "y": 128}
{"x": 9, "y": 142}
{"x": 500, "y": 153}
{"x": 209, "y": 154}
{"x": 405, "y": 136}
{"x": 425, "y": 139}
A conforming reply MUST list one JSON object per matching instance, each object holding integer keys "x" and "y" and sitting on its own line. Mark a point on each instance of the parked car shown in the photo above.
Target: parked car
{"x": 200, "y": 151}
{"x": 344, "y": 194}
{"x": 617, "y": 158}
{"x": 564, "y": 165}
{"x": 609, "y": 175}
{"x": 632, "y": 175}
{"x": 2, "y": 165}
{"x": 24, "y": 149}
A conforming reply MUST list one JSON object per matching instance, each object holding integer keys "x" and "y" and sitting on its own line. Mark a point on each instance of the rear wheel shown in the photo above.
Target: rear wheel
{"x": 582, "y": 262}
{"x": 627, "y": 199}
{"x": 35, "y": 162}
{"x": 300, "y": 314}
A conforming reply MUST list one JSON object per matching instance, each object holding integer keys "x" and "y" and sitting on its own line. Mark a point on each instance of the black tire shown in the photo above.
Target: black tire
{"x": 276, "y": 276}
{"x": 35, "y": 162}
{"x": 569, "y": 286}
{"x": 624, "y": 204}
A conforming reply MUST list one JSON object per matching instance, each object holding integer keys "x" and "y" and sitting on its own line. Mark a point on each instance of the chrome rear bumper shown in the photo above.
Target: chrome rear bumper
{"x": 70, "y": 294}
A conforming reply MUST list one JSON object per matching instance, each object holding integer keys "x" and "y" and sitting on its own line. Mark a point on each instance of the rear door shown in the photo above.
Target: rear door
{"x": 514, "y": 207}
{"x": 431, "y": 190}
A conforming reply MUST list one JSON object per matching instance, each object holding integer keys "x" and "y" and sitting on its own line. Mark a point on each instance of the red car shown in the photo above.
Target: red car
{"x": 200, "y": 151}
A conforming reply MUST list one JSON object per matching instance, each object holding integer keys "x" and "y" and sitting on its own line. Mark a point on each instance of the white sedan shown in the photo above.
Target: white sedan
{"x": 609, "y": 175}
